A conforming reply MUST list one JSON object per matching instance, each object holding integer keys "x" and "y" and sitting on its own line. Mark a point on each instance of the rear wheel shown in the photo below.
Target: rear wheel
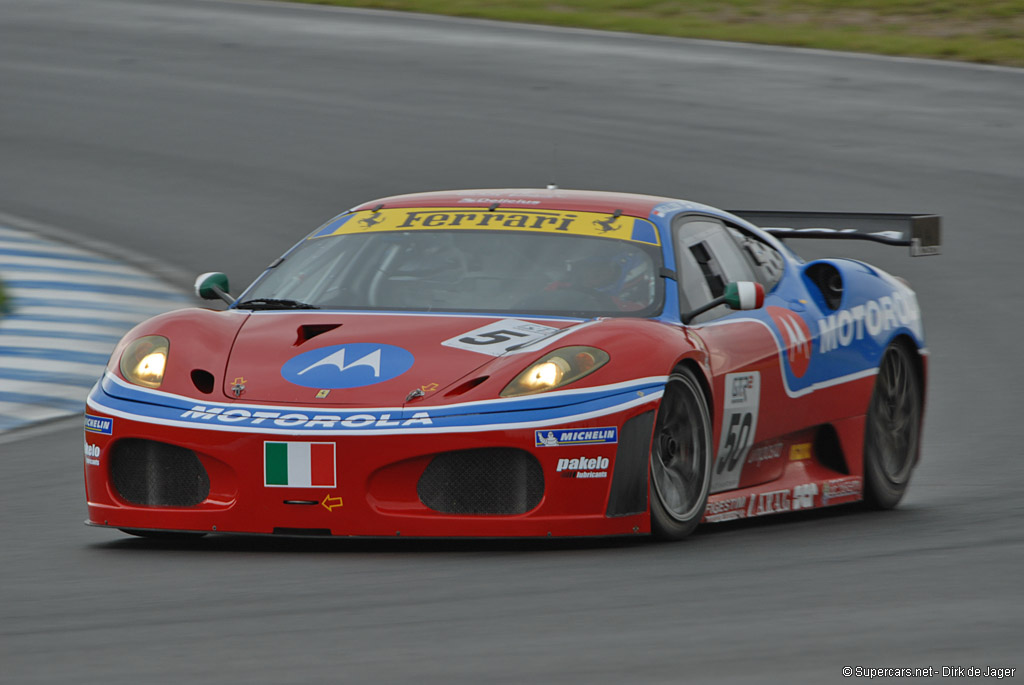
{"x": 680, "y": 458}
{"x": 893, "y": 430}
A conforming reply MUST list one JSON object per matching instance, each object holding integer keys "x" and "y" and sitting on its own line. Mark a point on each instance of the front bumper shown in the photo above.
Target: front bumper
{"x": 439, "y": 477}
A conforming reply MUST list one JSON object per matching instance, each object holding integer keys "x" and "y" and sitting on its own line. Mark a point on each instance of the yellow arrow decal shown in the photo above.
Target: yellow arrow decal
{"x": 331, "y": 502}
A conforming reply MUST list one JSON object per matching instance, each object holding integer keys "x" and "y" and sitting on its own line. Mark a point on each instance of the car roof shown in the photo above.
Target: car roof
{"x": 526, "y": 198}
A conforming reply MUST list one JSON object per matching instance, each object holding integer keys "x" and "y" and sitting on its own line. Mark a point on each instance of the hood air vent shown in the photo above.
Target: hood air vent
{"x": 466, "y": 387}
{"x": 311, "y": 330}
{"x": 203, "y": 380}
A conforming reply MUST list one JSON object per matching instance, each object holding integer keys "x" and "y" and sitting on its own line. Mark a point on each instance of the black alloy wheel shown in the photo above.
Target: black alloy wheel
{"x": 680, "y": 458}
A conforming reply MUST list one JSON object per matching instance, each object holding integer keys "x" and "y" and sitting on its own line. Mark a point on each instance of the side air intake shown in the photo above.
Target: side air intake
{"x": 495, "y": 481}
{"x": 629, "y": 480}
{"x": 156, "y": 474}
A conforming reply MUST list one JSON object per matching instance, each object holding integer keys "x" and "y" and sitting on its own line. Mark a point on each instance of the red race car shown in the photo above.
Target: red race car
{"x": 520, "y": 363}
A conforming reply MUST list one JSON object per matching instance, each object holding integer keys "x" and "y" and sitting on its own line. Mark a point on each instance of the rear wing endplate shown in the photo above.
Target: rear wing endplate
{"x": 921, "y": 232}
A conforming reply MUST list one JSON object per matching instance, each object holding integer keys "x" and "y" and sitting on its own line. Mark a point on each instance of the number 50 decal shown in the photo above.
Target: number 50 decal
{"x": 500, "y": 337}
{"x": 739, "y": 424}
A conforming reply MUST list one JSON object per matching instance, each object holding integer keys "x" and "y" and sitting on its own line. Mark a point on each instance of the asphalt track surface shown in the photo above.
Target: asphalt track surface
{"x": 211, "y": 135}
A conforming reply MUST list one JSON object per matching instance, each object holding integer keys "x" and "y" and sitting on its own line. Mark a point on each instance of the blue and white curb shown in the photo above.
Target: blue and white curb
{"x": 69, "y": 308}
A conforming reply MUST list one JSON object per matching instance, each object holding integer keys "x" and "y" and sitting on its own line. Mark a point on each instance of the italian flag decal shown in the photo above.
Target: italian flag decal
{"x": 298, "y": 465}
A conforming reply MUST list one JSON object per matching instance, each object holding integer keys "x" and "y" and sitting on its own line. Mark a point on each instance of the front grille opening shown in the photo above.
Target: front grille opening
{"x": 496, "y": 481}
{"x": 156, "y": 474}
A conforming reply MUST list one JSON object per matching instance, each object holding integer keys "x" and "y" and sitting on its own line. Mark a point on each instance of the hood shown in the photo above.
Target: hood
{"x": 367, "y": 360}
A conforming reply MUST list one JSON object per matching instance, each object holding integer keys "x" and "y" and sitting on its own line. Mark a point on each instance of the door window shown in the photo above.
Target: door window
{"x": 708, "y": 257}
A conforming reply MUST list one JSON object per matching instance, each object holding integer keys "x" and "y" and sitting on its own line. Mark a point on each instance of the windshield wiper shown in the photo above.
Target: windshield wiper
{"x": 269, "y": 303}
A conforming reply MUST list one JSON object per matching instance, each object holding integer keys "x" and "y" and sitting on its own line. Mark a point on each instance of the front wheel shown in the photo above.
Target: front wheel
{"x": 893, "y": 431}
{"x": 680, "y": 458}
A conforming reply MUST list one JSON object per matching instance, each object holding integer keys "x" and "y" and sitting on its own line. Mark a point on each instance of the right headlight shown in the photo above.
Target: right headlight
{"x": 556, "y": 369}
{"x": 144, "y": 360}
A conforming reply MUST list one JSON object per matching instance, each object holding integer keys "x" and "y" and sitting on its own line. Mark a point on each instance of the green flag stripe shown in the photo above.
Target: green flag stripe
{"x": 276, "y": 455}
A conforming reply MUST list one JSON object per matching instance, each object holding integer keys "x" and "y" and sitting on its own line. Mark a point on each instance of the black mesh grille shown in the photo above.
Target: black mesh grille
{"x": 157, "y": 475}
{"x": 484, "y": 481}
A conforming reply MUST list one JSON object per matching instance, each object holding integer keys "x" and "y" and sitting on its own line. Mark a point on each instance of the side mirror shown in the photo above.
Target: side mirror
{"x": 741, "y": 295}
{"x": 212, "y": 286}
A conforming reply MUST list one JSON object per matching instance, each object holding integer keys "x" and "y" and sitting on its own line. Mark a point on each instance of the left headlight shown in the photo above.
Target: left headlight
{"x": 143, "y": 361}
{"x": 556, "y": 369}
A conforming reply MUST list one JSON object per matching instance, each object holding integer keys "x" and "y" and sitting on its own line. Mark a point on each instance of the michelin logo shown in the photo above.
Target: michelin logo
{"x": 576, "y": 436}
{"x": 99, "y": 424}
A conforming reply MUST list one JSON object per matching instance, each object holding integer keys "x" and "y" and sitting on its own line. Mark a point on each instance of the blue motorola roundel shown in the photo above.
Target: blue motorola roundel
{"x": 347, "y": 366}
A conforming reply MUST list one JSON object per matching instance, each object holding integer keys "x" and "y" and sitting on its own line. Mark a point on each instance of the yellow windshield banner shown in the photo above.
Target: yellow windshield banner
{"x": 472, "y": 218}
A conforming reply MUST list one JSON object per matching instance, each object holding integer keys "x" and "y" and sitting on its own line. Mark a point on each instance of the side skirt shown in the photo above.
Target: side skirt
{"x": 806, "y": 482}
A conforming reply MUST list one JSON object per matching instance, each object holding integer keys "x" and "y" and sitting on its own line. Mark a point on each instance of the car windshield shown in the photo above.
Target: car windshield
{"x": 467, "y": 271}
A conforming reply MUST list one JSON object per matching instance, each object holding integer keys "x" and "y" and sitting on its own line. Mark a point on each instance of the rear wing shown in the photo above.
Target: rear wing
{"x": 921, "y": 232}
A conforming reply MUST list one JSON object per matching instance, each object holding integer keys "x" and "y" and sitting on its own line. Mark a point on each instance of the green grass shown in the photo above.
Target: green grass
{"x": 987, "y": 31}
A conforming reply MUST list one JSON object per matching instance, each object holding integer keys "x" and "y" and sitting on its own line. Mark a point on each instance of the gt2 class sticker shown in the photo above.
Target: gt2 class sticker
{"x": 739, "y": 424}
{"x": 495, "y": 339}
{"x": 608, "y": 435}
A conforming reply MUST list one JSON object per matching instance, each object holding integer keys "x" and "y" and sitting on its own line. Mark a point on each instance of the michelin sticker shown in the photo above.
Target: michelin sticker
{"x": 576, "y": 436}
{"x": 500, "y": 337}
{"x": 739, "y": 425}
{"x": 99, "y": 424}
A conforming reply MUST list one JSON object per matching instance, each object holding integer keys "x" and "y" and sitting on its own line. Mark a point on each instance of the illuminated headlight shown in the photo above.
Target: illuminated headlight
{"x": 143, "y": 361}
{"x": 556, "y": 369}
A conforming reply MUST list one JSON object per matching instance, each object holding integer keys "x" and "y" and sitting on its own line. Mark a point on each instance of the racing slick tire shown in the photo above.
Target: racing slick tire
{"x": 892, "y": 430}
{"x": 680, "y": 458}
